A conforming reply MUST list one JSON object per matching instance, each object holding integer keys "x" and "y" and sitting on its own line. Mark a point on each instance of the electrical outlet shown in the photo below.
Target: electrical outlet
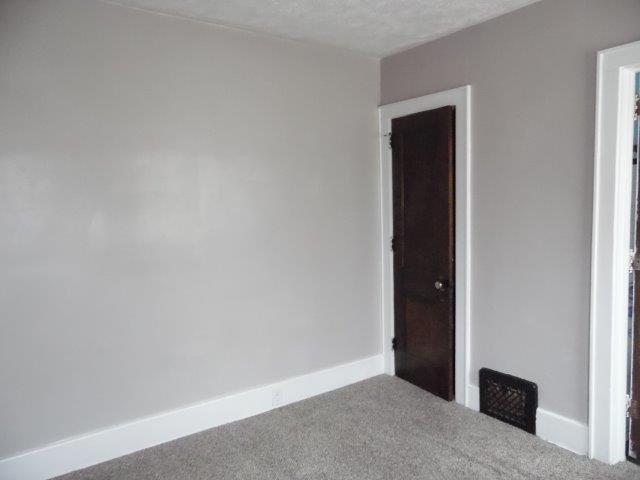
{"x": 276, "y": 398}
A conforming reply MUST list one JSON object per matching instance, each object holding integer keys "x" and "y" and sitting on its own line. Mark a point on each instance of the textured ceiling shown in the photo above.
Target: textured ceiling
{"x": 373, "y": 27}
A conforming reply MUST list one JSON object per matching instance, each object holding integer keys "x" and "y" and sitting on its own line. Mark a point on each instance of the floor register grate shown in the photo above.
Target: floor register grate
{"x": 509, "y": 399}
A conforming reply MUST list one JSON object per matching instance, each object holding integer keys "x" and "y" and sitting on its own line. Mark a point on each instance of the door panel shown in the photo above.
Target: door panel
{"x": 423, "y": 222}
{"x": 633, "y": 444}
{"x": 633, "y": 417}
{"x": 633, "y": 450}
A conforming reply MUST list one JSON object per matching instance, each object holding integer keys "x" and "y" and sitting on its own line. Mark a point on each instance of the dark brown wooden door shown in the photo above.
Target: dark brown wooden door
{"x": 424, "y": 247}
{"x": 633, "y": 445}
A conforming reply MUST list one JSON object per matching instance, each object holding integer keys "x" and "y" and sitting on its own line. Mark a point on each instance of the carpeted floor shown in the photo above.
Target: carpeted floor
{"x": 382, "y": 428}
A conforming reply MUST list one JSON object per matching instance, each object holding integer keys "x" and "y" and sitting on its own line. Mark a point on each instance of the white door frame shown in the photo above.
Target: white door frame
{"x": 461, "y": 99}
{"x": 610, "y": 251}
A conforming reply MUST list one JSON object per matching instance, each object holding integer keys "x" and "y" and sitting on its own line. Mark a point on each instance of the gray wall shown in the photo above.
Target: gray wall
{"x": 185, "y": 211}
{"x": 534, "y": 76}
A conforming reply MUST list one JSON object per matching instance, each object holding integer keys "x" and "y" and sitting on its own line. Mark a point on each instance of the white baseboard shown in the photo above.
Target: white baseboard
{"x": 557, "y": 429}
{"x": 564, "y": 432}
{"x": 83, "y": 451}
{"x": 473, "y": 397}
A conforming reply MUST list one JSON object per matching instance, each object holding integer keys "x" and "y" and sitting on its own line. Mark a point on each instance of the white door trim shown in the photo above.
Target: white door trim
{"x": 461, "y": 99}
{"x": 610, "y": 252}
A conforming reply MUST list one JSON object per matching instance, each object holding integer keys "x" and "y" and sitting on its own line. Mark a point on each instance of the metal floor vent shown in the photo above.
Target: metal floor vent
{"x": 508, "y": 398}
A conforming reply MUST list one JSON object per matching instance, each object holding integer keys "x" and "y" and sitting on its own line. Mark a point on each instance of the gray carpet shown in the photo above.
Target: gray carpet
{"x": 383, "y": 428}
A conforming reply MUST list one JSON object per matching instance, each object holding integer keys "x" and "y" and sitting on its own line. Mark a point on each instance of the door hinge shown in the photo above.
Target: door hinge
{"x": 391, "y": 141}
{"x": 634, "y": 261}
{"x": 393, "y": 244}
{"x": 633, "y": 408}
{"x": 394, "y": 343}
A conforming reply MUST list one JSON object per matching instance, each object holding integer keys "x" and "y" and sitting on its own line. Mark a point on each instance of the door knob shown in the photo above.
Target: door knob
{"x": 440, "y": 285}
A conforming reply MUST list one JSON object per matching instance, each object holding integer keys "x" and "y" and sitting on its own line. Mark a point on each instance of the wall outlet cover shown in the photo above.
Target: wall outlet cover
{"x": 277, "y": 398}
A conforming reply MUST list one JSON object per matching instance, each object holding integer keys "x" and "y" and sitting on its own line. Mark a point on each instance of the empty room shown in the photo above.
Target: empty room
{"x": 300, "y": 239}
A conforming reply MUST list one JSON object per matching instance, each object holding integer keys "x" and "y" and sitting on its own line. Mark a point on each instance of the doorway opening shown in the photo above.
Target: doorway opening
{"x": 612, "y": 364}
{"x": 633, "y": 344}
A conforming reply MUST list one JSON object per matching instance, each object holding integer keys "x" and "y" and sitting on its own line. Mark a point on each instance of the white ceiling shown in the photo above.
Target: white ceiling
{"x": 373, "y": 27}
